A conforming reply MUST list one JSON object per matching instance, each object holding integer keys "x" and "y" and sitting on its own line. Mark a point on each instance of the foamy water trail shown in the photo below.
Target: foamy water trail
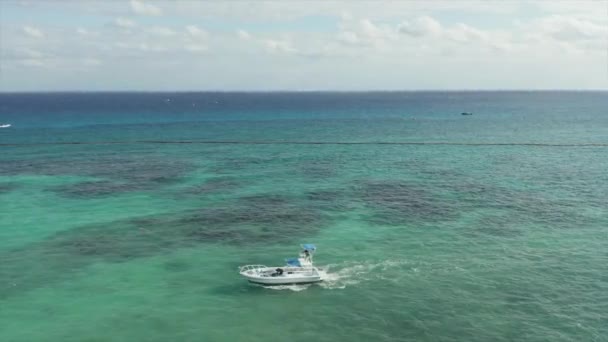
{"x": 292, "y": 287}
{"x": 340, "y": 275}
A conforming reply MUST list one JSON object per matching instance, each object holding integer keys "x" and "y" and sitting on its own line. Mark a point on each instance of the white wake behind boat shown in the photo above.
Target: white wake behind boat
{"x": 296, "y": 271}
{"x": 5, "y": 125}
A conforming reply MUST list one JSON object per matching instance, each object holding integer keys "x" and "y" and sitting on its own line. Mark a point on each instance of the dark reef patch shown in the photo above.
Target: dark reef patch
{"x": 551, "y": 212}
{"x": 117, "y": 174}
{"x": 333, "y": 201}
{"x": 7, "y": 187}
{"x": 245, "y": 220}
{"x": 177, "y": 266}
{"x": 265, "y": 200}
{"x": 239, "y": 164}
{"x": 447, "y": 175}
{"x": 324, "y": 195}
{"x": 523, "y": 207}
{"x": 265, "y": 218}
{"x": 498, "y": 226}
{"x": 136, "y": 168}
{"x": 95, "y": 189}
{"x": 115, "y": 241}
{"x": 215, "y": 185}
{"x": 396, "y": 203}
{"x": 319, "y": 169}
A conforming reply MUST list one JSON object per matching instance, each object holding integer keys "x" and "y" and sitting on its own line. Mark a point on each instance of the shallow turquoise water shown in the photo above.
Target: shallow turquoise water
{"x": 141, "y": 241}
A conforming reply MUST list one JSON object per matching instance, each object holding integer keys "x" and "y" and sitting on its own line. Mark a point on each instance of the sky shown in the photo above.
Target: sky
{"x": 154, "y": 45}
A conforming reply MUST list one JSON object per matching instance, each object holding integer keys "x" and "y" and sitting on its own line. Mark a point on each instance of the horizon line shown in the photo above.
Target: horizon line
{"x": 305, "y": 91}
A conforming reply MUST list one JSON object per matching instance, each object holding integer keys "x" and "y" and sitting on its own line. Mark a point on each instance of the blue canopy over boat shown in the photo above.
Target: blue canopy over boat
{"x": 309, "y": 247}
{"x": 293, "y": 262}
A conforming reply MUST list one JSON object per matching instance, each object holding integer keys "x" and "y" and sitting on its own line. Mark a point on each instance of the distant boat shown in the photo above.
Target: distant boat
{"x": 466, "y": 113}
{"x": 5, "y": 125}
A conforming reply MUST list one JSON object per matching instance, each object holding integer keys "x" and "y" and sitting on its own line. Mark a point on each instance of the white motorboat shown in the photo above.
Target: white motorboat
{"x": 296, "y": 271}
{"x": 5, "y": 125}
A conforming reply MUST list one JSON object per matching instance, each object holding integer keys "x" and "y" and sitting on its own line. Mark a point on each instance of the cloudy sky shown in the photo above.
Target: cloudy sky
{"x": 302, "y": 45}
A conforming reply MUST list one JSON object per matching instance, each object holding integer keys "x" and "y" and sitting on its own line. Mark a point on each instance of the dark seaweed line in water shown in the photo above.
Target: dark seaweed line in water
{"x": 262, "y": 142}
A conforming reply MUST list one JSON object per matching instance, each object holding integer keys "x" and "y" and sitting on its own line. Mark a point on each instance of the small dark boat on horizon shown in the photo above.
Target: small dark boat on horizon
{"x": 466, "y": 113}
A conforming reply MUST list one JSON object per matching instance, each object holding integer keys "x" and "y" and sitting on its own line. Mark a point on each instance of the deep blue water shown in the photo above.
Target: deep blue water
{"x": 502, "y": 117}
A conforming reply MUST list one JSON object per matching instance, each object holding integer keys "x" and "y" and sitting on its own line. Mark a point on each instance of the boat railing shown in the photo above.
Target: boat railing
{"x": 251, "y": 268}
{"x": 300, "y": 270}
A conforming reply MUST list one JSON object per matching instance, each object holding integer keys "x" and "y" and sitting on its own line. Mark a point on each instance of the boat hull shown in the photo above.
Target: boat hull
{"x": 283, "y": 281}
{"x": 268, "y": 276}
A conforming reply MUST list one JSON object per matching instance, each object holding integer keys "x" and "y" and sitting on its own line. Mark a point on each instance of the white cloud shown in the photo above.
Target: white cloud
{"x": 195, "y": 48}
{"x": 135, "y": 46}
{"x": 244, "y": 35}
{"x": 571, "y": 29}
{"x": 81, "y": 31}
{"x": 464, "y": 34}
{"x": 349, "y": 37}
{"x": 161, "y": 31}
{"x": 428, "y": 27}
{"x": 142, "y": 8}
{"x": 372, "y": 30}
{"x": 122, "y": 45}
{"x": 279, "y": 46}
{"x": 91, "y": 62}
{"x": 33, "y": 32}
{"x": 571, "y": 34}
{"x": 421, "y": 26}
{"x": 151, "y": 47}
{"x": 31, "y": 62}
{"x": 32, "y": 53}
{"x": 581, "y": 9}
{"x": 124, "y": 23}
{"x": 19, "y": 53}
{"x": 364, "y": 32}
{"x": 374, "y": 10}
{"x": 195, "y": 31}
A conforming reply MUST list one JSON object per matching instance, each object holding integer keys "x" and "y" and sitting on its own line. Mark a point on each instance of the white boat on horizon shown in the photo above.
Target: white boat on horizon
{"x": 296, "y": 271}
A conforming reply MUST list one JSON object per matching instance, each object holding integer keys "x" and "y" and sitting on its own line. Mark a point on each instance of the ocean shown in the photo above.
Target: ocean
{"x": 124, "y": 216}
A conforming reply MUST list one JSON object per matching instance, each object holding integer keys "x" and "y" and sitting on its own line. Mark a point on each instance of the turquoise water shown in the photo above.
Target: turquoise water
{"x": 121, "y": 238}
